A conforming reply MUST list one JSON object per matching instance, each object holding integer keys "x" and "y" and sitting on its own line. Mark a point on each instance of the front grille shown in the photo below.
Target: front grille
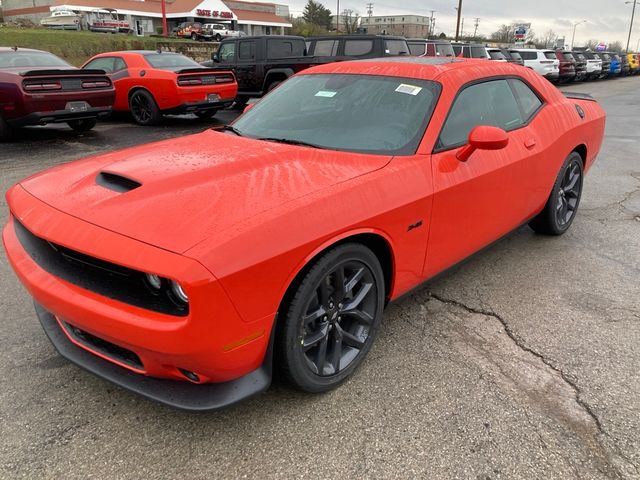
{"x": 99, "y": 276}
{"x": 100, "y": 345}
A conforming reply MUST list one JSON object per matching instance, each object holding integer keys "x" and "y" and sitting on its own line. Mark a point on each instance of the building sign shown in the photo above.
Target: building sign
{"x": 601, "y": 47}
{"x": 213, "y": 13}
{"x": 522, "y": 31}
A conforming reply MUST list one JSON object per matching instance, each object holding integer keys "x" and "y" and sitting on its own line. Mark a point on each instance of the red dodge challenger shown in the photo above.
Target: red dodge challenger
{"x": 150, "y": 84}
{"x": 183, "y": 272}
{"x": 37, "y": 88}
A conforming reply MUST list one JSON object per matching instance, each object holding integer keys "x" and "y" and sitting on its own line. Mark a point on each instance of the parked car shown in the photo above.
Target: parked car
{"x": 545, "y": 62}
{"x": 470, "y": 50}
{"x": 150, "y": 84}
{"x": 218, "y": 31}
{"x": 606, "y": 63}
{"x": 37, "y": 88}
{"x": 346, "y": 47}
{"x": 625, "y": 69}
{"x": 261, "y": 63}
{"x": 594, "y": 64}
{"x": 193, "y": 30}
{"x": 581, "y": 65}
{"x": 419, "y": 47}
{"x": 496, "y": 54}
{"x": 615, "y": 67}
{"x": 164, "y": 268}
{"x": 567, "y": 66}
{"x": 634, "y": 63}
{"x": 513, "y": 56}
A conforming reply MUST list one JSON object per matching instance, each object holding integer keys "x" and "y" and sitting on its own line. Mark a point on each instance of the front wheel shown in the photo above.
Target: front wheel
{"x": 194, "y": 36}
{"x": 562, "y": 204}
{"x": 83, "y": 125}
{"x": 332, "y": 319}
{"x": 218, "y": 37}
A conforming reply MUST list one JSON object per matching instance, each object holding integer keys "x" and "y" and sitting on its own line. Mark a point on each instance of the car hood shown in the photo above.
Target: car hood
{"x": 192, "y": 186}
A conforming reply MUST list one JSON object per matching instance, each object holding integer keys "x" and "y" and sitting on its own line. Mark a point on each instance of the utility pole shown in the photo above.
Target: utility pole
{"x": 633, "y": 12}
{"x": 429, "y": 30}
{"x": 458, "y": 21}
{"x": 337, "y": 16}
{"x": 475, "y": 30}
{"x": 370, "y": 9}
{"x": 462, "y": 29}
{"x": 573, "y": 37}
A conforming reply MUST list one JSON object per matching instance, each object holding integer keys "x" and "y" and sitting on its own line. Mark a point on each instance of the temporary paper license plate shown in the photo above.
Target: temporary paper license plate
{"x": 77, "y": 106}
{"x": 213, "y": 98}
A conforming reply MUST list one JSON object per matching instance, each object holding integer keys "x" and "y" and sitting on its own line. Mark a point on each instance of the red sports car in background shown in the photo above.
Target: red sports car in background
{"x": 180, "y": 269}
{"x": 37, "y": 88}
{"x": 150, "y": 84}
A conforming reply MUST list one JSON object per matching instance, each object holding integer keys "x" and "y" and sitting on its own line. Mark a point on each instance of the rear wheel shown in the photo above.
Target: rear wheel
{"x": 206, "y": 114}
{"x": 5, "y": 130}
{"x": 562, "y": 205}
{"x": 83, "y": 125}
{"x": 144, "y": 109}
{"x": 273, "y": 85}
{"x": 194, "y": 36}
{"x": 332, "y": 319}
{"x": 218, "y": 37}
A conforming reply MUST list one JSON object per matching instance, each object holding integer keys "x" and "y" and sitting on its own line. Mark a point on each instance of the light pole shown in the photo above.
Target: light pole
{"x": 633, "y": 12}
{"x": 574, "y": 31}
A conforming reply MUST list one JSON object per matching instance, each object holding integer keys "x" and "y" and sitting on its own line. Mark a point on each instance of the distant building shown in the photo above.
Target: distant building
{"x": 410, "y": 26}
{"x": 253, "y": 18}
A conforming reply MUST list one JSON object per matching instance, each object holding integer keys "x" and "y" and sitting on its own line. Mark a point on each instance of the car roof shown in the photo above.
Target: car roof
{"x": 424, "y": 68}
{"x": 357, "y": 37}
{"x": 426, "y": 40}
{"x": 20, "y": 49}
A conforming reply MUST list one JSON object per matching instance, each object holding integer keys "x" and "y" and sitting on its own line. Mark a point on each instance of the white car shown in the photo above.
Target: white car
{"x": 545, "y": 62}
{"x": 218, "y": 31}
{"x": 594, "y": 64}
{"x": 496, "y": 55}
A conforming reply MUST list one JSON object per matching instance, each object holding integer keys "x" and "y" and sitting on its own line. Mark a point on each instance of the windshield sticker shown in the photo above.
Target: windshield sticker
{"x": 408, "y": 89}
{"x": 325, "y": 93}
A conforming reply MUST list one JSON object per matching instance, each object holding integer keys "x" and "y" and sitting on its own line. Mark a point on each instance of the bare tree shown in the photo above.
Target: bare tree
{"x": 350, "y": 21}
{"x": 504, "y": 34}
{"x": 548, "y": 40}
{"x": 591, "y": 44}
{"x": 615, "y": 47}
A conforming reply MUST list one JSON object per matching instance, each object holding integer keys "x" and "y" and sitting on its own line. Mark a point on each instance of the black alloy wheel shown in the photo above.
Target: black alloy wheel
{"x": 144, "y": 109}
{"x": 562, "y": 205}
{"x": 332, "y": 319}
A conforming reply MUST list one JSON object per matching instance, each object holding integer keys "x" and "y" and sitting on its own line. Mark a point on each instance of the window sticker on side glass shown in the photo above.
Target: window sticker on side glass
{"x": 408, "y": 89}
{"x": 325, "y": 93}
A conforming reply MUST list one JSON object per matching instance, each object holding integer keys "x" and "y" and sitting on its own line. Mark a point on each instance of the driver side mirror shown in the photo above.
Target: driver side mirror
{"x": 483, "y": 137}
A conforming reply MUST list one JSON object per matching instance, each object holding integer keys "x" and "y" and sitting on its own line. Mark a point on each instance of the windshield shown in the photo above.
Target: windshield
{"x": 417, "y": 49}
{"x": 515, "y": 55}
{"x": 569, "y": 56}
{"x": 30, "y": 59}
{"x": 496, "y": 55}
{"x": 356, "y": 113}
{"x": 163, "y": 61}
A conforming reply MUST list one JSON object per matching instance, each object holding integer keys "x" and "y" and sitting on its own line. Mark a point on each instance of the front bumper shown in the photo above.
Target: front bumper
{"x": 212, "y": 341}
{"x": 59, "y": 116}
{"x": 177, "y": 394}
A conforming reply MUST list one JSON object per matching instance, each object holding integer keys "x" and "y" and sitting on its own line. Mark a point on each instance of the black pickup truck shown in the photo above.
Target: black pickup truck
{"x": 260, "y": 63}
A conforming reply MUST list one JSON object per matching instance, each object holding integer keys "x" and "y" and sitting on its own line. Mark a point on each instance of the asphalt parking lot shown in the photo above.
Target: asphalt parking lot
{"x": 522, "y": 363}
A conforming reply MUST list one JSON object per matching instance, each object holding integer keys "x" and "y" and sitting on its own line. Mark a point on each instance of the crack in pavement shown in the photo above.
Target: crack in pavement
{"x": 620, "y": 204}
{"x": 586, "y": 408}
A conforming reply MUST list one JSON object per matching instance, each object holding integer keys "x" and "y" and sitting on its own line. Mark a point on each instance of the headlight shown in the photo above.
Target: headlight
{"x": 179, "y": 292}
{"x": 154, "y": 281}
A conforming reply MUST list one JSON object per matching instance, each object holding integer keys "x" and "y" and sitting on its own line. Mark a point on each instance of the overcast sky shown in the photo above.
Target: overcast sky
{"x": 607, "y": 20}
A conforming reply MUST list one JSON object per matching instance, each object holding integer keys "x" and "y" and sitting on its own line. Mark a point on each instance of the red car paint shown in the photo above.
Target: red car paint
{"x": 20, "y": 106}
{"x": 135, "y": 72}
{"x": 234, "y": 219}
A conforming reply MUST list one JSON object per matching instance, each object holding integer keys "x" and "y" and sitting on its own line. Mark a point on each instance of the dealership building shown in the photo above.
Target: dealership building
{"x": 145, "y": 17}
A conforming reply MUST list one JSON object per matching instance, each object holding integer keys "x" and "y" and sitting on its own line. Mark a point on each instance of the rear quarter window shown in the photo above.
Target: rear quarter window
{"x": 357, "y": 48}
{"x": 529, "y": 101}
{"x": 283, "y": 48}
{"x": 326, "y": 48}
{"x": 529, "y": 55}
{"x": 551, "y": 55}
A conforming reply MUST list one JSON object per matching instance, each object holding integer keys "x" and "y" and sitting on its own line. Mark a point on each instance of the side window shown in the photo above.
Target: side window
{"x": 227, "y": 52}
{"x": 457, "y": 49}
{"x": 277, "y": 48}
{"x": 395, "y": 47}
{"x": 489, "y": 103}
{"x": 326, "y": 48}
{"x": 247, "y": 50}
{"x": 529, "y": 55}
{"x": 355, "y": 48}
{"x": 529, "y": 101}
{"x": 103, "y": 63}
{"x": 119, "y": 64}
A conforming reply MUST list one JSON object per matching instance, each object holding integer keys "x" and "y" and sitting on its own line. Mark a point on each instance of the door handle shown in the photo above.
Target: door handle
{"x": 530, "y": 143}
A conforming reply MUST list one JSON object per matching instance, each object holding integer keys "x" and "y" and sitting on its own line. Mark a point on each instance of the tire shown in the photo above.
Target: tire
{"x": 218, "y": 37}
{"x": 194, "y": 36}
{"x": 240, "y": 103}
{"x": 144, "y": 109}
{"x": 206, "y": 114}
{"x": 82, "y": 125}
{"x": 273, "y": 85}
{"x": 5, "y": 130}
{"x": 338, "y": 325}
{"x": 562, "y": 205}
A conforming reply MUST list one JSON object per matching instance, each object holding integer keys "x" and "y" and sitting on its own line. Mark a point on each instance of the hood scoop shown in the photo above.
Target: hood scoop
{"x": 116, "y": 182}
